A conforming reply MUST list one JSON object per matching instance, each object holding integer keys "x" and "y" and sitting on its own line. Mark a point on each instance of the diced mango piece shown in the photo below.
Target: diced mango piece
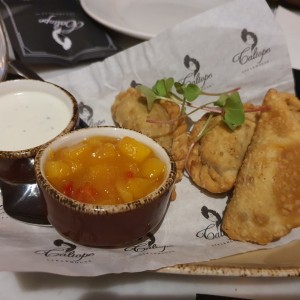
{"x": 57, "y": 170}
{"x": 152, "y": 168}
{"x": 130, "y": 169}
{"x": 75, "y": 152}
{"x": 134, "y": 149}
{"x": 76, "y": 166}
{"x": 86, "y": 193}
{"x": 107, "y": 150}
{"x": 124, "y": 191}
{"x": 140, "y": 187}
{"x": 102, "y": 173}
{"x": 95, "y": 142}
{"x": 105, "y": 170}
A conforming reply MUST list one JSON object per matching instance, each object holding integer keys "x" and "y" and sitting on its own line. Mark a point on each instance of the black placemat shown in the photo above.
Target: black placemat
{"x": 56, "y": 31}
{"x": 215, "y": 297}
{"x": 297, "y": 82}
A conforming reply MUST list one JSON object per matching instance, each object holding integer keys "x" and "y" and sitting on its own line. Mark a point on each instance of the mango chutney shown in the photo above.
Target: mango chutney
{"x": 105, "y": 170}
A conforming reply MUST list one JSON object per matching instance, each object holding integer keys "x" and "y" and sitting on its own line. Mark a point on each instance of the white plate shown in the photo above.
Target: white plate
{"x": 144, "y": 19}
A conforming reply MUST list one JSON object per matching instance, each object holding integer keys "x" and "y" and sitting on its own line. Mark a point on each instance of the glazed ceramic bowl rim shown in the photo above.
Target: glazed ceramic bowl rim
{"x": 104, "y": 209}
{"x": 38, "y": 85}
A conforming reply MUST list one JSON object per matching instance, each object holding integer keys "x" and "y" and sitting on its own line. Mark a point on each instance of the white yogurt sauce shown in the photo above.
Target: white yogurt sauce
{"x": 30, "y": 119}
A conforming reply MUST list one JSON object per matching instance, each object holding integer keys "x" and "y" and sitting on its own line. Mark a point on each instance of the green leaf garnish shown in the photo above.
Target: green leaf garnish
{"x": 234, "y": 114}
{"x": 191, "y": 92}
{"x": 149, "y": 94}
{"x": 231, "y": 106}
{"x": 221, "y": 101}
{"x": 179, "y": 87}
{"x": 228, "y": 104}
{"x": 163, "y": 87}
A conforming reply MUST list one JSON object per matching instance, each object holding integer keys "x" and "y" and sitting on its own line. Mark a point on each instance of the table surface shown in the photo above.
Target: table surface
{"x": 145, "y": 285}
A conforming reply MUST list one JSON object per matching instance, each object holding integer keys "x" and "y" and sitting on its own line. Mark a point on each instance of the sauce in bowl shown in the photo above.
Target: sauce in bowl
{"x": 32, "y": 114}
{"x": 31, "y": 118}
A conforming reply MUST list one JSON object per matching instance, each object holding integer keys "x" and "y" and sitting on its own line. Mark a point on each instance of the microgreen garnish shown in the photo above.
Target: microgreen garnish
{"x": 228, "y": 104}
{"x": 233, "y": 109}
{"x": 163, "y": 87}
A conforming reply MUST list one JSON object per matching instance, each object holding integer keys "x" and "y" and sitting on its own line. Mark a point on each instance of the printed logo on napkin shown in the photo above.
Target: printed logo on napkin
{"x": 196, "y": 75}
{"x": 251, "y": 53}
{"x": 66, "y": 252}
{"x": 213, "y": 229}
{"x": 86, "y": 113}
{"x": 150, "y": 247}
{"x": 63, "y": 251}
{"x": 61, "y": 29}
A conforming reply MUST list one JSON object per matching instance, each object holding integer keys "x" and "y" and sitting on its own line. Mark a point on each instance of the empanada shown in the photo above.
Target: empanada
{"x": 215, "y": 159}
{"x": 265, "y": 204}
{"x": 129, "y": 110}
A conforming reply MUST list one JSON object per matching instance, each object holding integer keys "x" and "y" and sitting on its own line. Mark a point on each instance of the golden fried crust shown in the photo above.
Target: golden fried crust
{"x": 129, "y": 110}
{"x": 179, "y": 148}
{"x": 266, "y": 201}
{"x": 214, "y": 161}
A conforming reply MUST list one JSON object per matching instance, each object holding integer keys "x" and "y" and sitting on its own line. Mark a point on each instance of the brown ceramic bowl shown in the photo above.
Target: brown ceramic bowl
{"x": 32, "y": 113}
{"x": 105, "y": 225}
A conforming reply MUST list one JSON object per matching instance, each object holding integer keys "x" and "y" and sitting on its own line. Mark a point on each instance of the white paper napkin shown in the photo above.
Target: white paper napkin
{"x": 290, "y": 23}
{"x": 224, "y": 60}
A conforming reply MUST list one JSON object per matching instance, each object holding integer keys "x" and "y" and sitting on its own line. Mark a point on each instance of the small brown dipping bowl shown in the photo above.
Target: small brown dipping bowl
{"x": 105, "y": 225}
{"x": 32, "y": 113}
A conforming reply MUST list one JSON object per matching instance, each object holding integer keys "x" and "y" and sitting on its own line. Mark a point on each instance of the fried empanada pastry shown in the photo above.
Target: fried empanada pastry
{"x": 215, "y": 159}
{"x": 265, "y": 205}
{"x": 129, "y": 110}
